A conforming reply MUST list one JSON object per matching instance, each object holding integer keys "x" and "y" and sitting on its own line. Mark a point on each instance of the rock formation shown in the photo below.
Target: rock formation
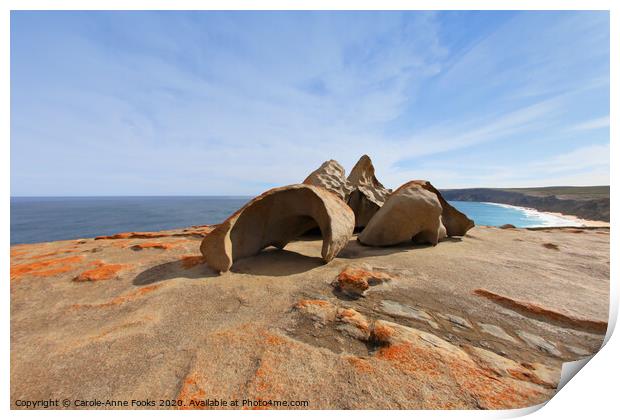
{"x": 458, "y": 326}
{"x": 455, "y": 222}
{"x": 331, "y": 176}
{"x": 368, "y": 193}
{"x": 274, "y": 219}
{"x": 410, "y": 213}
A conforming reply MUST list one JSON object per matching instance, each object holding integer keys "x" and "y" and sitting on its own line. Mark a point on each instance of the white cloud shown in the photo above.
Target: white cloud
{"x": 190, "y": 109}
{"x": 593, "y": 124}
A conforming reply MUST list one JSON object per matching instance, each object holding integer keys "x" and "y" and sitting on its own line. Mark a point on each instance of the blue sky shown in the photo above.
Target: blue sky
{"x": 234, "y": 103}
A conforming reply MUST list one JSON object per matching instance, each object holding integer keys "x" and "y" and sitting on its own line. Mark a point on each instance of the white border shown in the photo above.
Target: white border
{"x": 593, "y": 394}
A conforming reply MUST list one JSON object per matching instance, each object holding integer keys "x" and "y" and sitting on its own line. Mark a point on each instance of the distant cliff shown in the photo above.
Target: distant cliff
{"x": 585, "y": 202}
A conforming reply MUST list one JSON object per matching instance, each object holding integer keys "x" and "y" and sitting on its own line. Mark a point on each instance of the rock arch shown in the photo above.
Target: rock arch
{"x": 275, "y": 218}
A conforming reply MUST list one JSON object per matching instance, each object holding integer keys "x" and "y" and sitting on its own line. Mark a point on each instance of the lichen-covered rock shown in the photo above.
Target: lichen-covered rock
{"x": 275, "y": 218}
{"x": 410, "y": 213}
{"x": 320, "y": 311}
{"x": 492, "y": 380}
{"x": 102, "y": 271}
{"x": 331, "y": 176}
{"x": 355, "y": 281}
{"x": 455, "y": 222}
{"x": 352, "y": 323}
{"x": 368, "y": 194}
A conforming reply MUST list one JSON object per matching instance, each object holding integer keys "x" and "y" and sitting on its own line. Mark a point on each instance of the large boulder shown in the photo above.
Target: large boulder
{"x": 410, "y": 213}
{"x": 275, "y": 218}
{"x": 330, "y": 175}
{"x": 455, "y": 222}
{"x": 368, "y": 193}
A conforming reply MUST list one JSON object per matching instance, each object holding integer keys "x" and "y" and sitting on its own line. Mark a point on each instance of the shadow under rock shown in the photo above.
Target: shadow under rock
{"x": 172, "y": 270}
{"x": 356, "y": 249}
{"x": 276, "y": 262}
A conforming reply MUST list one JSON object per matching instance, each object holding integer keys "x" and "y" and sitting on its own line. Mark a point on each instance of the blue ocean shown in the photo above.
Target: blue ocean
{"x": 43, "y": 219}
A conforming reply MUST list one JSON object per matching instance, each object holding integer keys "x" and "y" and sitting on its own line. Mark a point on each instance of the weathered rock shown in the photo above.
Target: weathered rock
{"x": 355, "y": 281}
{"x": 508, "y": 226}
{"x": 368, "y": 194}
{"x": 455, "y": 222}
{"x": 331, "y": 176}
{"x": 275, "y": 218}
{"x": 102, "y": 271}
{"x": 410, "y": 213}
{"x": 457, "y": 321}
{"x": 397, "y": 309}
{"x": 496, "y": 331}
{"x": 539, "y": 343}
{"x": 352, "y": 323}
{"x": 535, "y": 372}
{"x": 491, "y": 380}
{"x": 320, "y": 311}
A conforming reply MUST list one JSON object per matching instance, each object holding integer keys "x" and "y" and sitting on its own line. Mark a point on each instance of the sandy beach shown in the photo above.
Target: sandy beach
{"x": 580, "y": 222}
{"x": 558, "y": 219}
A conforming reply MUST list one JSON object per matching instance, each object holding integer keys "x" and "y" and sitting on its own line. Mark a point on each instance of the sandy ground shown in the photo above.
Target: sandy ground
{"x": 479, "y": 322}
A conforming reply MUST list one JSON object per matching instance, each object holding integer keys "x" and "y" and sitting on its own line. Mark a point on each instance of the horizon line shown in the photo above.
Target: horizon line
{"x": 245, "y": 196}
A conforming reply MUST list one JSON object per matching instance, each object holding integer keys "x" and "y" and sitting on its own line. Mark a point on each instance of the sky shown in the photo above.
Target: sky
{"x": 235, "y": 103}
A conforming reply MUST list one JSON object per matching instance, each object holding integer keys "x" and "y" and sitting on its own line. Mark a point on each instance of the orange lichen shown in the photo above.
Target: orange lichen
{"x": 523, "y": 375}
{"x": 191, "y": 261}
{"x": 264, "y": 384}
{"x": 382, "y": 333}
{"x": 353, "y": 277}
{"x": 548, "y": 314}
{"x": 134, "y": 235}
{"x": 53, "y": 254}
{"x": 310, "y": 302}
{"x": 273, "y": 340}
{"x": 119, "y": 300}
{"x": 360, "y": 364}
{"x": 201, "y": 230}
{"x": 46, "y": 268}
{"x": 351, "y": 316}
{"x": 190, "y": 391}
{"x": 490, "y": 392}
{"x": 358, "y": 280}
{"x": 16, "y": 253}
{"x": 101, "y": 272}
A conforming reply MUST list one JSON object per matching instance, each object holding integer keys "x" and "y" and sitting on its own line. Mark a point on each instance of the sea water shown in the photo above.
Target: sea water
{"x": 495, "y": 214}
{"x": 43, "y": 219}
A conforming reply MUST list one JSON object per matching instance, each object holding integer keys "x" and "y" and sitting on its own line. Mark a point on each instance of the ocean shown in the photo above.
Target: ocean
{"x": 44, "y": 219}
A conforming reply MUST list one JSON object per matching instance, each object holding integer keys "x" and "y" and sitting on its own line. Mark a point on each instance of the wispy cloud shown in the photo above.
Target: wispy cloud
{"x": 593, "y": 124}
{"x": 234, "y": 103}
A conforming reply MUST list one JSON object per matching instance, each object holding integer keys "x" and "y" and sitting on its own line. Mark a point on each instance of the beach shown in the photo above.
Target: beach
{"x": 549, "y": 219}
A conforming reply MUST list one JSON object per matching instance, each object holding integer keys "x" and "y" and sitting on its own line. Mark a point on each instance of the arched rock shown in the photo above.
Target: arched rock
{"x": 275, "y": 218}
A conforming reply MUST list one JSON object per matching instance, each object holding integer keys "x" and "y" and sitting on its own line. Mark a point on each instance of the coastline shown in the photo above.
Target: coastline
{"x": 555, "y": 219}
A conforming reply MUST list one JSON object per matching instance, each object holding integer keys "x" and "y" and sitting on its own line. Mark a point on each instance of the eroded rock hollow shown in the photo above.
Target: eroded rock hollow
{"x": 275, "y": 218}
